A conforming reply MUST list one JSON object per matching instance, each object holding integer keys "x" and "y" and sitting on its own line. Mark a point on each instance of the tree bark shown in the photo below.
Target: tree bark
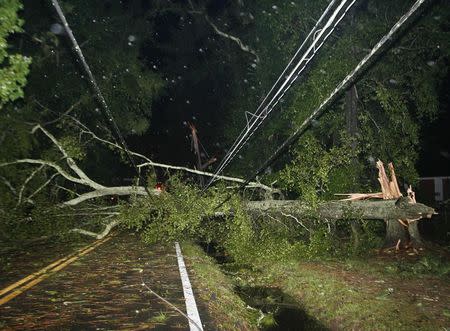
{"x": 395, "y": 231}
{"x": 389, "y": 210}
{"x": 414, "y": 234}
{"x": 118, "y": 190}
{"x": 366, "y": 209}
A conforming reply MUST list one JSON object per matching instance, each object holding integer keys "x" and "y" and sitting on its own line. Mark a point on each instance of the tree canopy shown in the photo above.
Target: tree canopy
{"x": 163, "y": 64}
{"x": 13, "y": 67}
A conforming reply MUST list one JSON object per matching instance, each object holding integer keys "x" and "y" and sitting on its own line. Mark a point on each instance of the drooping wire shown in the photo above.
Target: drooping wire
{"x": 263, "y": 110}
{"x": 248, "y": 130}
{"x": 340, "y": 88}
{"x": 313, "y": 30}
{"x": 104, "y": 106}
{"x": 277, "y": 99}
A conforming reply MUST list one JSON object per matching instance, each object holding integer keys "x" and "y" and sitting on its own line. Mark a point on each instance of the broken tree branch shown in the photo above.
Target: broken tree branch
{"x": 118, "y": 190}
{"x": 85, "y": 130}
{"x": 100, "y": 235}
{"x": 70, "y": 162}
{"x": 361, "y": 196}
{"x": 51, "y": 164}
{"x": 237, "y": 40}
{"x": 204, "y": 173}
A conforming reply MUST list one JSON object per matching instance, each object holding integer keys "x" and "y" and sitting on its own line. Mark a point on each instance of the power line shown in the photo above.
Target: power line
{"x": 259, "y": 115}
{"x": 340, "y": 88}
{"x": 262, "y": 112}
{"x": 107, "y": 112}
{"x": 292, "y": 81}
{"x": 313, "y": 30}
{"x": 255, "y": 116}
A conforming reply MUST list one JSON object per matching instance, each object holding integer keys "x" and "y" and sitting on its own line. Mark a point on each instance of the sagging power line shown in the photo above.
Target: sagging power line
{"x": 387, "y": 39}
{"x": 104, "y": 106}
{"x": 271, "y": 100}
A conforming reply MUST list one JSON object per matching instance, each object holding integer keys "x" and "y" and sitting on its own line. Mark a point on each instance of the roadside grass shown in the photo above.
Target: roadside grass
{"x": 356, "y": 300}
{"x": 377, "y": 292}
{"x": 423, "y": 265}
{"x": 160, "y": 318}
{"x": 226, "y": 309}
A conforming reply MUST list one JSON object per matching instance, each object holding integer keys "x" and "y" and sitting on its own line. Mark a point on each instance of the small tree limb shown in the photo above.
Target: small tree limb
{"x": 42, "y": 186}
{"x": 27, "y": 180}
{"x": 100, "y": 235}
{"x": 237, "y": 40}
{"x": 85, "y": 130}
{"x": 296, "y": 219}
{"x": 204, "y": 173}
{"x": 51, "y": 164}
{"x": 118, "y": 190}
{"x": 70, "y": 162}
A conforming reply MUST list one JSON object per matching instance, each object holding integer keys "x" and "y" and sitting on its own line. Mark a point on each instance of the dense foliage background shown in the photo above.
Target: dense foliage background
{"x": 162, "y": 64}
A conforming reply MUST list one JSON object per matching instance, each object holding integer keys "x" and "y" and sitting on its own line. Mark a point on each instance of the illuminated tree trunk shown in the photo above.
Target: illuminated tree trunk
{"x": 396, "y": 233}
{"x": 357, "y": 232}
{"x": 414, "y": 234}
{"x": 389, "y": 210}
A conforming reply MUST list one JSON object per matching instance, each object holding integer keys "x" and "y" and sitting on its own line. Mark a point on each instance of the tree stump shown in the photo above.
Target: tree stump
{"x": 414, "y": 234}
{"x": 395, "y": 231}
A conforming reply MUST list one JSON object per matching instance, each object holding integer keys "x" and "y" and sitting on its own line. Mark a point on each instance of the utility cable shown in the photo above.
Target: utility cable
{"x": 260, "y": 116}
{"x": 340, "y": 88}
{"x": 259, "y": 112}
{"x": 292, "y": 81}
{"x": 313, "y": 30}
{"x": 104, "y": 106}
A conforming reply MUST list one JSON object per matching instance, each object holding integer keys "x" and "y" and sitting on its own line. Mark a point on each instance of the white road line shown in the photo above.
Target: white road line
{"x": 195, "y": 324}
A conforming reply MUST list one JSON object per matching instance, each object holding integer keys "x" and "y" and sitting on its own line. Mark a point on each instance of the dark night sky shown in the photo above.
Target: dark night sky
{"x": 202, "y": 104}
{"x": 435, "y": 140}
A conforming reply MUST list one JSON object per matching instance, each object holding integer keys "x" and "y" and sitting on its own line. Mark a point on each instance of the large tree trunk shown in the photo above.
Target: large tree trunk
{"x": 365, "y": 209}
{"x": 389, "y": 210}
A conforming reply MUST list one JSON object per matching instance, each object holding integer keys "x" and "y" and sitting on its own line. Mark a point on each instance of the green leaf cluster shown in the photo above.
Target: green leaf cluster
{"x": 185, "y": 213}
{"x": 14, "y": 68}
{"x": 309, "y": 173}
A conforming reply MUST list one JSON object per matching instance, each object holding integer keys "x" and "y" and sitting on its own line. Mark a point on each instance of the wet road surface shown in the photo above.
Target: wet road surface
{"x": 104, "y": 290}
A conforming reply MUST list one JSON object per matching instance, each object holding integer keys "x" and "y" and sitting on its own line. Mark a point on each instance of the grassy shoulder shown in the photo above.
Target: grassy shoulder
{"x": 347, "y": 299}
{"x": 215, "y": 290}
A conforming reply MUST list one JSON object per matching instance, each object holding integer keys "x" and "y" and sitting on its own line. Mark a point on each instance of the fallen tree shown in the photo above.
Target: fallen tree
{"x": 87, "y": 189}
{"x": 401, "y": 214}
{"x": 335, "y": 210}
{"x": 387, "y": 210}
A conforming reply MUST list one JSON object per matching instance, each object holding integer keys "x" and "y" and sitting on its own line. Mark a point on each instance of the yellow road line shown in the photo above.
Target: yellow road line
{"x": 43, "y": 270}
{"x": 46, "y": 272}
